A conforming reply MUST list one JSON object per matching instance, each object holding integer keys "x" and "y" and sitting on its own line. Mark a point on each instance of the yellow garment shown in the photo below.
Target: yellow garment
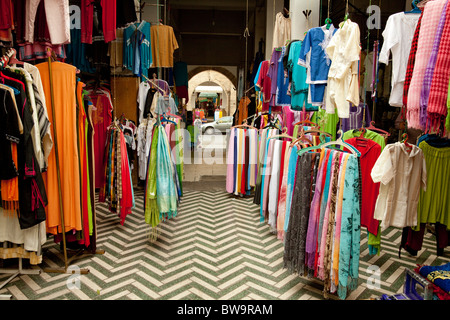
{"x": 163, "y": 43}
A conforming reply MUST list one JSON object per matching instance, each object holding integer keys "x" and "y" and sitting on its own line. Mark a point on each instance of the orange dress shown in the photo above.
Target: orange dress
{"x": 64, "y": 88}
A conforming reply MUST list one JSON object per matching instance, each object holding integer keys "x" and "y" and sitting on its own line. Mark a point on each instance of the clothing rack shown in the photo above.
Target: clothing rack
{"x": 4, "y": 60}
{"x": 77, "y": 255}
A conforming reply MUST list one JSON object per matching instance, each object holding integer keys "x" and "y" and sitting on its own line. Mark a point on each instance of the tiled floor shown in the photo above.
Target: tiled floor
{"x": 214, "y": 249}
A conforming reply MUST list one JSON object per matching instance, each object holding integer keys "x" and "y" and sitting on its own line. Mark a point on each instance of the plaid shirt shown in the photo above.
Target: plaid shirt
{"x": 410, "y": 67}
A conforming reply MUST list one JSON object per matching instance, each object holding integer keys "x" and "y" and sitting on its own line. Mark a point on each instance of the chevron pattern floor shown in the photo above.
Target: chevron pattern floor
{"x": 215, "y": 249}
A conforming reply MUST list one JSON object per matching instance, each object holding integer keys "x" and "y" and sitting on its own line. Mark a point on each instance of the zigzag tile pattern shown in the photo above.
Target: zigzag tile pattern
{"x": 215, "y": 249}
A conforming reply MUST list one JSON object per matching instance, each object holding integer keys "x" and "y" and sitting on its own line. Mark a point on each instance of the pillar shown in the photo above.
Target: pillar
{"x": 299, "y": 24}
{"x": 272, "y": 8}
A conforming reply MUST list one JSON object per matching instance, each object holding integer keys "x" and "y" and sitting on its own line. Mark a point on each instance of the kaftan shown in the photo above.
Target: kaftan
{"x": 343, "y": 80}
{"x": 402, "y": 174}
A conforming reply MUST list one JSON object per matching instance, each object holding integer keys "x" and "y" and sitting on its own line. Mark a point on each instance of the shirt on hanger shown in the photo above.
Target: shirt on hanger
{"x": 343, "y": 79}
{"x": 137, "y": 54}
{"x": 397, "y": 36}
{"x": 163, "y": 45}
{"x": 318, "y": 63}
{"x": 401, "y": 175}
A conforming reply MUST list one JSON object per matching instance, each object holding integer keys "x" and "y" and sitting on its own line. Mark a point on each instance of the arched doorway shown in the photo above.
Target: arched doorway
{"x": 212, "y": 77}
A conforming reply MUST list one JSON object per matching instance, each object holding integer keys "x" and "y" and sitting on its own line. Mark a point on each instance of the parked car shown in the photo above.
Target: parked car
{"x": 220, "y": 125}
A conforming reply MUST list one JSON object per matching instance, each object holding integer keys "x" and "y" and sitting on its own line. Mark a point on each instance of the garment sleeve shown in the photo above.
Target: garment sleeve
{"x": 306, "y": 47}
{"x": 383, "y": 169}
{"x": 352, "y": 48}
{"x": 256, "y": 80}
{"x": 390, "y": 39}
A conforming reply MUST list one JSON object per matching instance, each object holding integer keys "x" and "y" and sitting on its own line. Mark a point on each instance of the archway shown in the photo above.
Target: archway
{"x": 216, "y": 78}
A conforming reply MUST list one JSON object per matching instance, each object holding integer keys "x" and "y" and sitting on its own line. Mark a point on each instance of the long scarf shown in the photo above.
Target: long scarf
{"x": 165, "y": 184}
{"x": 410, "y": 66}
{"x": 437, "y": 107}
{"x": 152, "y": 216}
{"x": 429, "y": 71}
{"x": 230, "y": 178}
{"x": 10, "y": 188}
{"x": 431, "y": 16}
{"x": 349, "y": 247}
{"x": 283, "y": 193}
{"x": 329, "y": 211}
{"x": 292, "y": 173}
{"x": 274, "y": 183}
{"x": 337, "y": 231}
{"x": 314, "y": 214}
{"x": 126, "y": 202}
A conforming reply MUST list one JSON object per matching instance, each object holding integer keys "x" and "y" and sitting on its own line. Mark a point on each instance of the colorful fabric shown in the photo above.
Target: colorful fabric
{"x": 434, "y": 203}
{"x": 165, "y": 186}
{"x": 410, "y": 66}
{"x": 350, "y": 230}
{"x": 429, "y": 71}
{"x": 431, "y": 16}
{"x": 437, "y": 107}
{"x": 439, "y": 275}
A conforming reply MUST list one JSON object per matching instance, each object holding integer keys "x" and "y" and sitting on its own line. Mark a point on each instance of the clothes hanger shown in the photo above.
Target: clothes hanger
{"x": 14, "y": 60}
{"x": 313, "y": 147}
{"x": 302, "y": 137}
{"x": 328, "y": 23}
{"x": 314, "y": 130}
{"x": 174, "y": 116}
{"x": 415, "y": 9}
{"x": 328, "y": 20}
{"x": 405, "y": 141}
{"x": 381, "y": 131}
{"x": 422, "y": 3}
{"x": 6, "y": 57}
{"x": 342, "y": 143}
{"x": 282, "y": 135}
{"x": 244, "y": 125}
{"x": 306, "y": 121}
{"x": 163, "y": 118}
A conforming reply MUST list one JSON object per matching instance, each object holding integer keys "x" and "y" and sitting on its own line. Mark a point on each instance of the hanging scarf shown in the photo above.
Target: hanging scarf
{"x": 437, "y": 106}
{"x": 313, "y": 222}
{"x": 292, "y": 174}
{"x": 431, "y": 16}
{"x": 282, "y": 203}
{"x": 152, "y": 216}
{"x": 165, "y": 185}
{"x": 349, "y": 247}
{"x": 429, "y": 71}
{"x": 230, "y": 162}
{"x": 126, "y": 190}
{"x": 410, "y": 66}
{"x": 329, "y": 242}
{"x": 337, "y": 233}
{"x": 10, "y": 188}
{"x": 327, "y": 214}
